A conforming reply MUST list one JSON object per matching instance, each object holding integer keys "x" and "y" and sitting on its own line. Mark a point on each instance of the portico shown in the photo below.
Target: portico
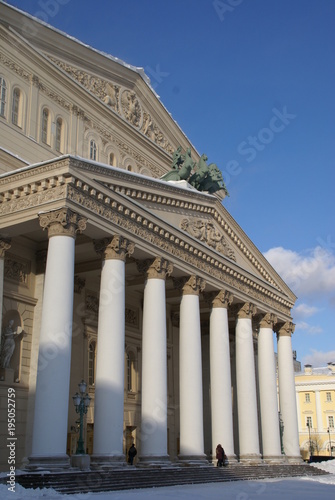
{"x": 141, "y": 266}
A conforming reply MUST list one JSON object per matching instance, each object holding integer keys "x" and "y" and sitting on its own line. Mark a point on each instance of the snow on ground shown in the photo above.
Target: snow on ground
{"x": 310, "y": 488}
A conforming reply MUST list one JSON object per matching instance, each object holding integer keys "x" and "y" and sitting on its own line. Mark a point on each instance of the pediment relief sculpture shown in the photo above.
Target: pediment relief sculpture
{"x": 206, "y": 232}
{"x": 123, "y": 101}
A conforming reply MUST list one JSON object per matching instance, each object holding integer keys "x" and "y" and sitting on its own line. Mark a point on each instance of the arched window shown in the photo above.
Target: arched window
{"x": 59, "y": 134}
{"x": 93, "y": 150}
{"x": 91, "y": 362}
{"x": 131, "y": 379}
{"x": 3, "y": 96}
{"x": 16, "y": 107}
{"x": 45, "y": 126}
{"x": 129, "y": 168}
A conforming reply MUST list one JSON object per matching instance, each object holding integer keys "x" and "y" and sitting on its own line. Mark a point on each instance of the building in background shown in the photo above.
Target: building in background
{"x": 120, "y": 265}
{"x": 315, "y": 388}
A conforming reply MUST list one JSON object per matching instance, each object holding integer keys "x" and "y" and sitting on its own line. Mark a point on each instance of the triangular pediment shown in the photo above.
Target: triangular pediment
{"x": 199, "y": 218}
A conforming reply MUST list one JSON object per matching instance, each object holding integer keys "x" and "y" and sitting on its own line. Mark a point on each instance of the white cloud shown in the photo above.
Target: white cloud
{"x": 311, "y": 330}
{"x": 308, "y": 274}
{"x": 304, "y": 311}
{"x": 319, "y": 359}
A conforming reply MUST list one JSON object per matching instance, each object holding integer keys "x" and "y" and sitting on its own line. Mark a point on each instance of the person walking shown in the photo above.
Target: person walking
{"x": 219, "y": 455}
{"x": 132, "y": 452}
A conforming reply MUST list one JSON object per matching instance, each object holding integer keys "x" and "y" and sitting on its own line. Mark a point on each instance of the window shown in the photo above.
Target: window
{"x": 91, "y": 363}
{"x": 45, "y": 126}
{"x": 309, "y": 422}
{"x": 331, "y": 422}
{"x": 16, "y": 107}
{"x": 59, "y": 131}
{"x": 328, "y": 397}
{"x": 93, "y": 150}
{"x": 3, "y": 96}
{"x": 307, "y": 397}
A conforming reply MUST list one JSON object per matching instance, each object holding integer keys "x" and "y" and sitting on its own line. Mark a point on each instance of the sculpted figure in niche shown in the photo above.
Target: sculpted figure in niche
{"x": 9, "y": 336}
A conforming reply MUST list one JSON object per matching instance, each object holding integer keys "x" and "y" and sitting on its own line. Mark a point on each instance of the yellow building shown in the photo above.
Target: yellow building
{"x": 315, "y": 390}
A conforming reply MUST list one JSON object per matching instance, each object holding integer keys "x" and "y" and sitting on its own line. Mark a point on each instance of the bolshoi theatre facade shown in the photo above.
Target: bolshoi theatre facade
{"x": 120, "y": 270}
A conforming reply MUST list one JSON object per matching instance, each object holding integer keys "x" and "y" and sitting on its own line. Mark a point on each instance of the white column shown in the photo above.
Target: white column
{"x": 268, "y": 391}
{"x": 190, "y": 373}
{"x": 54, "y": 359}
{"x": 246, "y": 387}
{"x": 154, "y": 366}
{"x": 287, "y": 398}
{"x": 109, "y": 381}
{"x": 4, "y": 245}
{"x": 220, "y": 375}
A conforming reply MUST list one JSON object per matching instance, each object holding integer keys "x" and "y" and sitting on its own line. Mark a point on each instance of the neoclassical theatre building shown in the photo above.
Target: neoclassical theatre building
{"x": 121, "y": 267}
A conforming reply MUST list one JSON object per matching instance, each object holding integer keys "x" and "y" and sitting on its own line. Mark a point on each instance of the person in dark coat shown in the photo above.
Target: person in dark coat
{"x": 132, "y": 452}
{"x": 219, "y": 455}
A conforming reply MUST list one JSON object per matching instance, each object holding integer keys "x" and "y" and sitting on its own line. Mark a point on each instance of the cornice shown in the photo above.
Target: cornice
{"x": 136, "y": 221}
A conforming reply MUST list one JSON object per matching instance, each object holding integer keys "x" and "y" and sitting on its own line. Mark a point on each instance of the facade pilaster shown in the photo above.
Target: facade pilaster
{"x": 268, "y": 390}
{"x": 154, "y": 366}
{"x": 220, "y": 376}
{"x": 246, "y": 386}
{"x": 109, "y": 382}
{"x": 190, "y": 374}
{"x": 5, "y": 244}
{"x": 287, "y": 397}
{"x": 54, "y": 359}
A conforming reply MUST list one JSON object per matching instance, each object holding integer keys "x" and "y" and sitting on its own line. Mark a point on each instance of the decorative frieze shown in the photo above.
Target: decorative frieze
{"x": 16, "y": 269}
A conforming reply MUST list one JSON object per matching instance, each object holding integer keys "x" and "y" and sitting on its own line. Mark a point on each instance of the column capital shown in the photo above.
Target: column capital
{"x": 285, "y": 329}
{"x": 62, "y": 222}
{"x": 155, "y": 268}
{"x": 193, "y": 285}
{"x": 267, "y": 320}
{"x": 246, "y": 310}
{"x": 159, "y": 268}
{"x": 5, "y": 244}
{"x": 222, "y": 299}
{"x": 116, "y": 247}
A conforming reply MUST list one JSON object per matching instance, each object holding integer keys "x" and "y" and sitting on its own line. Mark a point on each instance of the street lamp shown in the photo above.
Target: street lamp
{"x": 281, "y": 431}
{"x": 81, "y": 401}
{"x": 330, "y": 443}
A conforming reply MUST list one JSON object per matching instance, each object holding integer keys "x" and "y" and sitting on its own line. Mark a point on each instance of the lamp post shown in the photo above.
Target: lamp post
{"x": 310, "y": 442}
{"x": 330, "y": 443}
{"x": 81, "y": 401}
{"x": 281, "y": 431}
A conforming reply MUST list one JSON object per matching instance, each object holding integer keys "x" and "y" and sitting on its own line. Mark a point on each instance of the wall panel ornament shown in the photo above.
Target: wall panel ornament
{"x": 122, "y": 101}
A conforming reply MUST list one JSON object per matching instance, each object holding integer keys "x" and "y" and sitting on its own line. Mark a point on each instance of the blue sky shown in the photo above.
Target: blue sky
{"x": 251, "y": 83}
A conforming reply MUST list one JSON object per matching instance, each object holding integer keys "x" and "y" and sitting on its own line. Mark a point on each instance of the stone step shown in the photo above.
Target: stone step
{"x": 74, "y": 481}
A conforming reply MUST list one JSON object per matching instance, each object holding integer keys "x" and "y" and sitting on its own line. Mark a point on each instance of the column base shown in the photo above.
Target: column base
{"x": 81, "y": 462}
{"x": 158, "y": 461}
{"x": 52, "y": 463}
{"x": 294, "y": 459}
{"x": 193, "y": 460}
{"x": 251, "y": 459}
{"x": 274, "y": 459}
{"x": 107, "y": 461}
